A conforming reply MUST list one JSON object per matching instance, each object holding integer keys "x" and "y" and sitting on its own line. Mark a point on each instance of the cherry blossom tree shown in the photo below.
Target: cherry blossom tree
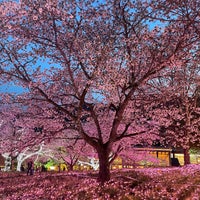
{"x": 31, "y": 153}
{"x": 180, "y": 111}
{"x": 68, "y": 151}
{"x": 21, "y": 137}
{"x": 89, "y": 65}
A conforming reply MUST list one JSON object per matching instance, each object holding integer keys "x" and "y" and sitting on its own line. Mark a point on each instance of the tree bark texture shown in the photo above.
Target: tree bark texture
{"x": 104, "y": 165}
{"x": 186, "y": 156}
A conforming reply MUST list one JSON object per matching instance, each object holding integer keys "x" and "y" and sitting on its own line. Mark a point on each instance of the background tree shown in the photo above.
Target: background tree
{"x": 180, "y": 110}
{"x": 22, "y": 133}
{"x": 32, "y": 153}
{"x": 68, "y": 151}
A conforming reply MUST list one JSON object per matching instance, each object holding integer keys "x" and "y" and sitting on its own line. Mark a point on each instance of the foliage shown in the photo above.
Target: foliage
{"x": 50, "y": 162}
{"x": 139, "y": 184}
{"x": 102, "y": 60}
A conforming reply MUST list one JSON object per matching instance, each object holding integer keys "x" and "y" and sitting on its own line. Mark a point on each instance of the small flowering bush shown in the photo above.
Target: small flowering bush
{"x": 138, "y": 184}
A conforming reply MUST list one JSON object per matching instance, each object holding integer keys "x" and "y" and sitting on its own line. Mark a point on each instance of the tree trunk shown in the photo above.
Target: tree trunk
{"x": 186, "y": 156}
{"x": 8, "y": 162}
{"x": 20, "y": 160}
{"x": 70, "y": 167}
{"x": 19, "y": 164}
{"x": 104, "y": 165}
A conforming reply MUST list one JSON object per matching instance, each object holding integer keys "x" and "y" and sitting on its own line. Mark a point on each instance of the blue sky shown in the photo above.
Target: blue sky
{"x": 12, "y": 88}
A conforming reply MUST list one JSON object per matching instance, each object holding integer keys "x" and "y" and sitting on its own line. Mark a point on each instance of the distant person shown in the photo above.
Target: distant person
{"x": 30, "y": 168}
{"x": 43, "y": 169}
{"x": 175, "y": 162}
{"x": 22, "y": 168}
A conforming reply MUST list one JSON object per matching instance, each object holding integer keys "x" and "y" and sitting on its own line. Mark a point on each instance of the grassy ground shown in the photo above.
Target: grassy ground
{"x": 140, "y": 184}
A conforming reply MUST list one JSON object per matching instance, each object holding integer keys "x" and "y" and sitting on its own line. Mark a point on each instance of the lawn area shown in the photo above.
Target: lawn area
{"x": 151, "y": 183}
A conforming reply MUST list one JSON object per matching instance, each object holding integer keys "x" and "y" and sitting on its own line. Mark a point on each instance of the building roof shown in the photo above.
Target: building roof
{"x": 152, "y": 149}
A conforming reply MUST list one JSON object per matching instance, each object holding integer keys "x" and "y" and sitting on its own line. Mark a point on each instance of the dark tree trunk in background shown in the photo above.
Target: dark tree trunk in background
{"x": 70, "y": 167}
{"x": 186, "y": 156}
